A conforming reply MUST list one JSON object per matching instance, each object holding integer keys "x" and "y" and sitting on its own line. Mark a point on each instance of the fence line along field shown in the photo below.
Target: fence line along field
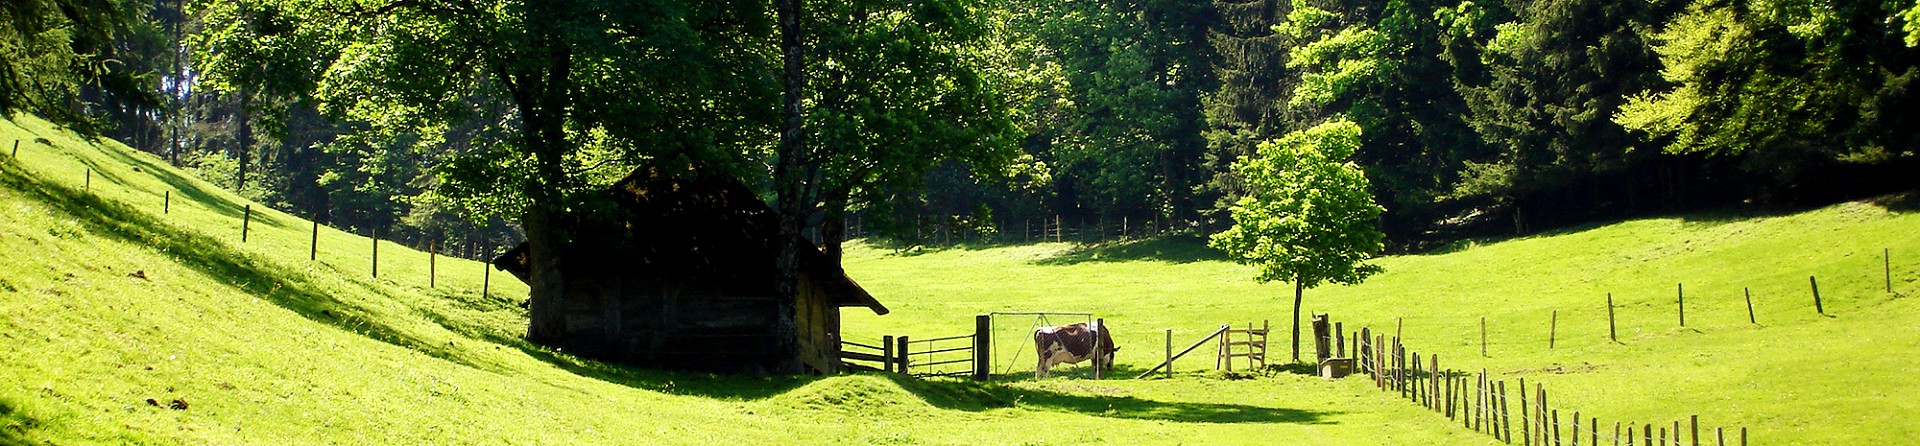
{"x": 1545, "y": 305}
{"x": 140, "y": 317}
{"x": 141, "y": 289}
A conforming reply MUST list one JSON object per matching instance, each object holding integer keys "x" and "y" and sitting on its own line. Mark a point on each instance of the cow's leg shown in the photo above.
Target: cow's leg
{"x": 1040, "y": 371}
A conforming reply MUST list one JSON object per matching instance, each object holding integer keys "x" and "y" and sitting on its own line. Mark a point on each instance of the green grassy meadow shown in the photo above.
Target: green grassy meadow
{"x": 107, "y": 303}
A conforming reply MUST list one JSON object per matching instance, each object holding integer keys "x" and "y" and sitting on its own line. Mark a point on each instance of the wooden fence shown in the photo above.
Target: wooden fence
{"x": 958, "y": 356}
{"x": 1482, "y": 402}
{"x": 1252, "y": 345}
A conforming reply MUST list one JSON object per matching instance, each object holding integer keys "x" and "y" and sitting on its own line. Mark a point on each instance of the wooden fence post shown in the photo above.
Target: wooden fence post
{"x": 313, "y": 245}
{"x": 1553, "y": 325}
{"x": 1169, "y": 371}
{"x": 1506, "y": 422}
{"x": 903, "y": 358}
{"x": 887, "y": 358}
{"x": 433, "y": 263}
{"x": 982, "y": 347}
{"x": 1886, "y": 256}
{"x": 1749, "y": 292}
{"x": 246, "y": 221}
{"x": 1680, "y": 294}
{"x": 1483, "y": 336}
{"x": 166, "y": 203}
{"x": 486, "y": 278}
{"x": 1693, "y": 425}
{"x": 1339, "y": 340}
{"x": 1611, "y": 334}
{"x": 375, "y": 264}
{"x": 1816, "y": 295}
{"x": 1526, "y": 420}
{"x": 16, "y": 150}
{"x": 89, "y": 183}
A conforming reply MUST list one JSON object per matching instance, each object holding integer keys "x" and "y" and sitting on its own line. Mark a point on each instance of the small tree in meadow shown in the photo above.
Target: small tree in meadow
{"x": 1308, "y": 216}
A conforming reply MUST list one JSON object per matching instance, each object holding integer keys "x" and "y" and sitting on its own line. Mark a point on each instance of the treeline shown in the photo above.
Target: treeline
{"x": 1476, "y": 118}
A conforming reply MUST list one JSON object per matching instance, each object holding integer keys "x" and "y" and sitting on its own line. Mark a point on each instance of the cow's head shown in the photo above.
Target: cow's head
{"x": 1108, "y": 350}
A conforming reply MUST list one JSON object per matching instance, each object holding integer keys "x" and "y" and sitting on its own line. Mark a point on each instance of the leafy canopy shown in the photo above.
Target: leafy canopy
{"x": 1308, "y": 216}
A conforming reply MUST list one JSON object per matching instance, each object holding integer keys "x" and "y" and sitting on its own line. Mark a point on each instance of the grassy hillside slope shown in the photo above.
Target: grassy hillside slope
{"x": 1795, "y": 377}
{"x": 122, "y": 324}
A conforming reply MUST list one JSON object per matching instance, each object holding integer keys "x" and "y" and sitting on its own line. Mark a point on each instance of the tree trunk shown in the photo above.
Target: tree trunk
{"x": 1297, "y": 292}
{"x": 546, "y": 283}
{"x": 246, "y": 141}
{"x": 541, "y": 94}
{"x": 790, "y": 182}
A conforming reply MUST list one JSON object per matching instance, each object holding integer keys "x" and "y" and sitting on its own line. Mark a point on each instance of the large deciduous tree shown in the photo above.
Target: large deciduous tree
{"x": 1307, "y": 216}
{"x": 592, "y": 89}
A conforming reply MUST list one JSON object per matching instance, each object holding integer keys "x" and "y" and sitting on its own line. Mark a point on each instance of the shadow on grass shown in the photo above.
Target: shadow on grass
{"x": 166, "y": 174}
{"x": 1183, "y": 248}
{"x": 15, "y": 425}
{"x": 976, "y": 396}
{"x": 709, "y": 385}
{"x": 280, "y": 285}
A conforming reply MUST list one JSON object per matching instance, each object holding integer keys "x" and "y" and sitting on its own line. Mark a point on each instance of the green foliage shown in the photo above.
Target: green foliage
{"x": 1308, "y": 217}
{"x": 592, "y": 90}
{"x": 1783, "y": 85}
{"x": 60, "y": 58}
{"x": 1541, "y": 89}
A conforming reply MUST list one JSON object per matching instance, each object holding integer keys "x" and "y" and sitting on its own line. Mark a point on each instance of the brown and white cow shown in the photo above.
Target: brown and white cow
{"x": 1070, "y": 345}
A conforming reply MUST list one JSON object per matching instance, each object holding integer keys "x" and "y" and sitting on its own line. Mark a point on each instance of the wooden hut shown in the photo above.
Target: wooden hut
{"x": 679, "y": 274}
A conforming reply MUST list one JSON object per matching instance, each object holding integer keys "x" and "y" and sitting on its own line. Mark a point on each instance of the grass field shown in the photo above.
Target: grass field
{"x": 106, "y": 303}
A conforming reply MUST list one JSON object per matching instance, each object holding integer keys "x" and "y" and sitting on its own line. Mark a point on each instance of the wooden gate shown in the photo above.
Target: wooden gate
{"x": 1251, "y": 344}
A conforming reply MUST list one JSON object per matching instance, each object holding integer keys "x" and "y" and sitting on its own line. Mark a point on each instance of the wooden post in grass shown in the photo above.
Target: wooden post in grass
{"x": 16, "y": 150}
{"x": 1611, "y": 334}
{"x": 1646, "y": 434}
{"x": 982, "y": 347}
{"x": 375, "y": 264}
{"x": 313, "y": 244}
{"x": 1680, "y": 294}
{"x": 1553, "y": 325}
{"x": 486, "y": 278}
{"x": 886, "y": 354}
{"x": 1749, "y": 292}
{"x": 1743, "y": 436}
{"x": 246, "y": 221}
{"x": 433, "y": 262}
{"x": 89, "y": 184}
{"x": 1168, "y": 373}
{"x": 1886, "y": 256}
{"x": 1526, "y": 427}
{"x": 1483, "y": 336}
{"x": 1506, "y": 423}
{"x": 1339, "y": 340}
{"x": 1554, "y": 429}
{"x": 901, "y": 350}
{"x": 166, "y": 203}
{"x": 1816, "y": 295}
{"x": 1693, "y": 425}
{"x": 1593, "y": 431}
{"x": 1720, "y": 436}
